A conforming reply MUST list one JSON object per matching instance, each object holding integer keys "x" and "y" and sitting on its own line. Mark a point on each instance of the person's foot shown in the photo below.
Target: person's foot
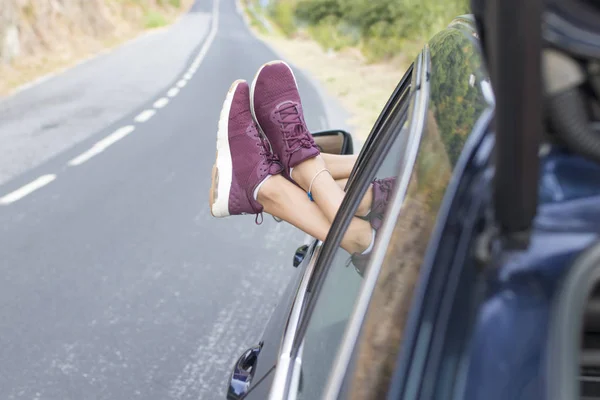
{"x": 244, "y": 159}
{"x": 276, "y": 107}
{"x": 382, "y": 193}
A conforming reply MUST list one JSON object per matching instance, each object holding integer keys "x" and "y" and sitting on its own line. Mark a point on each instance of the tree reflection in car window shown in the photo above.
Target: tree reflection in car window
{"x": 456, "y": 96}
{"x": 455, "y": 103}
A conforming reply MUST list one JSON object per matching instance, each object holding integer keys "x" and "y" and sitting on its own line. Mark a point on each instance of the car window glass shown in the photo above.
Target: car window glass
{"x": 456, "y": 101}
{"x": 340, "y": 289}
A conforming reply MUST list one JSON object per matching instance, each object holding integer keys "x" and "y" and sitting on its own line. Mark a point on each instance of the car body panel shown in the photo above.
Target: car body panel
{"x": 272, "y": 335}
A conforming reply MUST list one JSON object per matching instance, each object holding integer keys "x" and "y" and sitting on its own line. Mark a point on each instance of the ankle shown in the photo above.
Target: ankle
{"x": 304, "y": 172}
{"x": 269, "y": 191}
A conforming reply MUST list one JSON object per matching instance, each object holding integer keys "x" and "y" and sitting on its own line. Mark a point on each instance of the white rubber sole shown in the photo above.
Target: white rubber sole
{"x": 222, "y": 171}
{"x": 253, "y": 86}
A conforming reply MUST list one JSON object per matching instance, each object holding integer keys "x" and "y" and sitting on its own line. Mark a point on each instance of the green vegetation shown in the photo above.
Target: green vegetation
{"x": 282, "y": 12}
{"x": 154, "y": 19}
{"x": 381, "y": 28}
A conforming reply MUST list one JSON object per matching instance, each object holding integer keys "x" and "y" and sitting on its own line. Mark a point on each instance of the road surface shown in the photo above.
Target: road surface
{"x": 115, "y": 281}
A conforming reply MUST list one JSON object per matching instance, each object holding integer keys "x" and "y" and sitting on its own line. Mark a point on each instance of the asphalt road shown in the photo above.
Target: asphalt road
{"x": 115, "y": 281}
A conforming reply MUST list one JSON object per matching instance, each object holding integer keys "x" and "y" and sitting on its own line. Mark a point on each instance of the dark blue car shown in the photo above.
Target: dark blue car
{"x": 482, "y": 283}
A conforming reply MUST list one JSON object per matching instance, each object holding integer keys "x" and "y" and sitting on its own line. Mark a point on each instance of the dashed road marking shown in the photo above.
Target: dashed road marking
{"x": 27, "y": 189}
{"x": 160, "y": 103}
{"x": 144, "y": 116}
{"x": 85, "y": 156}
{"x": 115, "y": 136}
{"x": 102, "y": 145}
{"x": 120, "y": 133}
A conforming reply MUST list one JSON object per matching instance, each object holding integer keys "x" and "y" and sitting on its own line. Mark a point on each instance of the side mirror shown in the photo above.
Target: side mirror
{"x": 334, "y": 141}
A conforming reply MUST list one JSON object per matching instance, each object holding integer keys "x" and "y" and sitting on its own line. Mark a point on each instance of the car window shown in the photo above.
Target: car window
{"x": 341, "y": 286}
{"x": 375, "y": 132}
{"x": 456, "y": 102}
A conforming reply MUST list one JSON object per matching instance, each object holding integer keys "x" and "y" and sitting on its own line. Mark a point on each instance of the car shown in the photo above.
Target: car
{"x": 483, "y": 278}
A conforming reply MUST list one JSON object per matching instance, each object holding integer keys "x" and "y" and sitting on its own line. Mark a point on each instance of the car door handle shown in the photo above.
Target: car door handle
{"x": 243, "y": 372}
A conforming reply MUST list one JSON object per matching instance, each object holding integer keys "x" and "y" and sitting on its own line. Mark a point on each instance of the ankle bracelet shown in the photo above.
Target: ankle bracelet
{"x": 309, "y": 193}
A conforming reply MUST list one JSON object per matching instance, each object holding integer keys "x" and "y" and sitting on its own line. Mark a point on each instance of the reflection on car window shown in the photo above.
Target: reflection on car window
{"x": 340, "y": 288}
{"x": 455, "y": 103}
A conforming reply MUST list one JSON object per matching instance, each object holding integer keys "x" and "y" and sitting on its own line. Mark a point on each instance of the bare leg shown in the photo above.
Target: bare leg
{"x": 283, "y": 199}
{"x": 325, "y": 192}
{"x": 342, "y": 183}
{"x": 340, "y": 166}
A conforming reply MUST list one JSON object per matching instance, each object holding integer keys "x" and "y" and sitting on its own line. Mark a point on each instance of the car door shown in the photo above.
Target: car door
{"x": 406, "y": 327}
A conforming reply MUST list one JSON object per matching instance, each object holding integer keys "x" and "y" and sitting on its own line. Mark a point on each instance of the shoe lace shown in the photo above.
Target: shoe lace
{"x": 295, "y": 133}
{"x": 270, "y": 163}
{"x": 269, "y": 159}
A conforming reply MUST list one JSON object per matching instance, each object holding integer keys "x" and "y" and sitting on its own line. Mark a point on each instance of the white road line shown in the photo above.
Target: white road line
{"x": 181, "y": 83}
{"x": 27, "y": 189}
{"x": 85, "y": 156}
{"x": 102, "y": 145}
{"x": 160, "y": 103}
{"x": 145, "y": 116}
{"x": 173, "y": 92}
{"x": 115, "y": 136}
{"x": 210, "y": 38}
{"x": 188, "y": 76}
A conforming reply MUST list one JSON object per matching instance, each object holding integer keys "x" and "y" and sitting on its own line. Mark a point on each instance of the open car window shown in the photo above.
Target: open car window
{"x": 341, "y": 285}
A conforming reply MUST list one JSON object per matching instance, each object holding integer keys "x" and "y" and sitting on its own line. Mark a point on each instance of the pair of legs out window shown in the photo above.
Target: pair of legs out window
{"x": 267, "y": 161}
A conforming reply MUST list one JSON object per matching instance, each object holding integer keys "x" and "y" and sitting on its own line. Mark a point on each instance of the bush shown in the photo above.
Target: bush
{"x": 385, "y": 27}
{"x": 169, "y": 3}
{"x": 282, "y": 14}
{"x": 331, "y": 34}
{"x": 154, "y": 19}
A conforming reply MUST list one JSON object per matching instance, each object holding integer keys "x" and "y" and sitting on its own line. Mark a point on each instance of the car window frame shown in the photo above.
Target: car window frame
{"x": 388, "y": 125}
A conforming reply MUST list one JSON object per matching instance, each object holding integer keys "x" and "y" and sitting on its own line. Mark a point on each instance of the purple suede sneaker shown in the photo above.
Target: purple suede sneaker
{"x": 382, "y": 192}
{"x": 276, "y": 107}
{"x": 244, "y": 158}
